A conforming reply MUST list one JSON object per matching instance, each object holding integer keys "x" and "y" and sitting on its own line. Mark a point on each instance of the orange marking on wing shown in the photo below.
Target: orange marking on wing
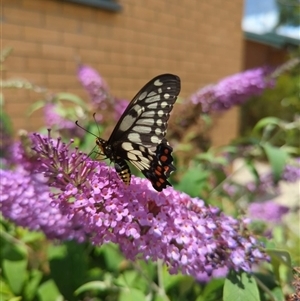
{"x": 158, "y": 184}
{"x": 163, "y": 158}
{"x": 166, "y": 151}
{"x": 161, "y": 180}
{"x": 157, "y": 172}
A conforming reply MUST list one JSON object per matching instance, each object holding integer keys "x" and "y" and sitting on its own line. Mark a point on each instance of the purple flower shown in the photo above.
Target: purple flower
{"x": 94, "y": 85}
{"x": 53, "y": 119}
{"x": 26, "y": 201}
{"x": 170, "y": 225}
{"x": 265, "y": 185}
{"x": 266, "y": 182}
{"x": 233, "y": 90}
{"x": 268, "y": 211}
{"x": 291, "y": 172}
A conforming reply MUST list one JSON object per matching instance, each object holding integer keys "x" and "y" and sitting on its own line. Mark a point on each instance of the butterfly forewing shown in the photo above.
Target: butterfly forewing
{"x": 145, "y": 119}
{"x": 139, "y": 134}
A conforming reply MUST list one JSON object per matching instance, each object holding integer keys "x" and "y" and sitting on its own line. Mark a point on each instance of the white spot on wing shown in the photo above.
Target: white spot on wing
{"x": 149, "y": 113}
{"x": 159, "y": 90}
{"x": 160, "y": 113}
{"x": 134, "y": 137}
{"x": 152, "y": 105}
{"x": 152, "y": 93}
{"x": 154, "y": 139}
{"x": 166, "y": 95}
{"x": 164, "y": 104}
{"x": 143, "y": 95}
{"x": 142, "y": 129}
{"x": 144, "y": 121}
{"x": 136, "y": 152}
{"x": 127, "y": 123}
{"x": 158, "y": 131}
{"x": 158, "y": 83}
{"x": 136, "y": 110}
{"x": 127, "y": 146}
{"x": 131, "y": 156}
{"x": 159, "y": 122}
{"x": 142, "y": 148}
{"x": 152, "y": 99}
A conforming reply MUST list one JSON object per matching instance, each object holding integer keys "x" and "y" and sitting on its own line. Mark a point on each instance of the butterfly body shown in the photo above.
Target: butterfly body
{"x": 139, "y": 136}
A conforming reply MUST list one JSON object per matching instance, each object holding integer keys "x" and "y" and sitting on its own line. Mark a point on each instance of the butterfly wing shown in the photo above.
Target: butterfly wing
{"x": 139, "y": 135}
{"x": 144, "y": 121}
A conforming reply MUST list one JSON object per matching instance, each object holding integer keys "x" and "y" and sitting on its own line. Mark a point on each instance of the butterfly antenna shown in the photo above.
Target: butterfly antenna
{"x": 94, "y": 116}
{"x": 76, "y": 122}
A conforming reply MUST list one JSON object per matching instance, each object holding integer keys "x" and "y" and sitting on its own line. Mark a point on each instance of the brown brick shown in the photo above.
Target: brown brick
{"x": 90, "y": 28}
{"x": 77, "y": 40}
{"x": 11, "y": 31}
{"x": 42, "y": 35}
{"x": 61, "y": 23}
{"x": 45, "y": 65}
{"x": 26, "y": 17}
{"x": 15, "y": 63}
{"x": 78, "y": 11}
{"x": 49, "y": 6}
{"x": 22, "y": 48}
{"x": 58, "y": 52}
{"x": 61, "y": 81}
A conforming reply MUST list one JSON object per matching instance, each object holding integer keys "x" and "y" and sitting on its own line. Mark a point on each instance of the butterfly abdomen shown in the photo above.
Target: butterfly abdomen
{"x": 123, "y": 170}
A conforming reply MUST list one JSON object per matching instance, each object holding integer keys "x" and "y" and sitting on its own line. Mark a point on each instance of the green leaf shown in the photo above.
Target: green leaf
{"x": 131, "y": 279}
{"x": 93, "y": 286}
{"x": 35, "y": 106}
{"x": 49, "y": 292}
{"x": 15, "y": 299}
{"x": 279, "y": 258}
{"x": 31, "y": 287}
{"x": 112, "y": 257}
{"x": 252, "y": 168}
{"x": 266, "y": 122}
{"x": 240, "y": 287}
{"x": 278, "y": 294}
{"x": 68, "y": 265}
{"x": 16, "y": 274}
{"x": 131, "y": 294}
{"x": 213, "y": 290}
{"x": 32, "y": 236}
{"x": 192, "y": 181}
{"x": 70, "y": 97}
{"x": 277, "y": 158}
{"x": 5, "y": 291}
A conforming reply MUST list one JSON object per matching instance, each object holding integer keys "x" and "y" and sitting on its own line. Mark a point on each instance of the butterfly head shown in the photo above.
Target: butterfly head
{"x": 104, "y": 147}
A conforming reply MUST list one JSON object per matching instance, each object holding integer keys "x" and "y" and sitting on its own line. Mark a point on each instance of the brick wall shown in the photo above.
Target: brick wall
{"x": 201, "y": 41}
{"x": 257, "y": 54}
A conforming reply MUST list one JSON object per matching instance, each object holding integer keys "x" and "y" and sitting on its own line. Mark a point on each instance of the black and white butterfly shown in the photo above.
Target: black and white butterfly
{"x": 139, "y": 136}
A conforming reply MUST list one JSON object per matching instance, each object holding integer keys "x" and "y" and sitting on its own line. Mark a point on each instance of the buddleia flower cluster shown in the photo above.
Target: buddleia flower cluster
{"x": 233, "y": 90}
{"x": 57, "y": 189}
{"x": 95, "y": 85}
{"x": 99, "y": 93}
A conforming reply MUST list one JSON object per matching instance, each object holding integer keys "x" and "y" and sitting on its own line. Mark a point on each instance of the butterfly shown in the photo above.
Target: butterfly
{"x": 139, "y": 136}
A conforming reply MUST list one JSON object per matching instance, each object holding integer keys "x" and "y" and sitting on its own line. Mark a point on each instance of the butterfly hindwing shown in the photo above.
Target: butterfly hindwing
{"x": 155, "y": 166}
